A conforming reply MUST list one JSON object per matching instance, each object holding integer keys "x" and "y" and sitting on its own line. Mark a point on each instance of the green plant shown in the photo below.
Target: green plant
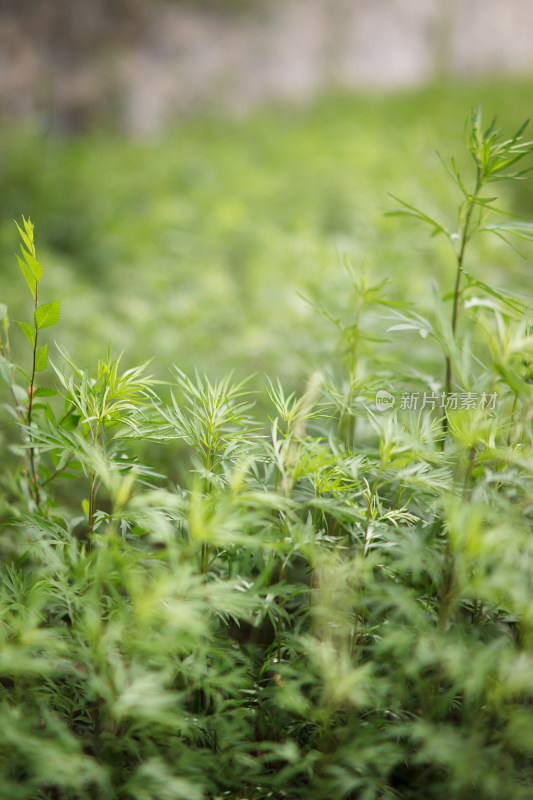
{"x": 44, "y": 316}
{"x": 496, "y": 159}
{"x": 325, "y": 603}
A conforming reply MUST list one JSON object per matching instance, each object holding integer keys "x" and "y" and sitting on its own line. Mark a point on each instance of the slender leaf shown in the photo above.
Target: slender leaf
{"x": 523, "y": 230}
{"x": 411, "y": 211}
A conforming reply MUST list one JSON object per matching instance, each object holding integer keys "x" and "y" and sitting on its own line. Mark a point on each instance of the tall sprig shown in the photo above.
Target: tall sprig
{"x": 496, "y": 158}
{"x": 44, "y": 316}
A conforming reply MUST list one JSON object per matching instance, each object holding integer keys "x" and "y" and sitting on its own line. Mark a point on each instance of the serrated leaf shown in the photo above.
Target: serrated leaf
{"x": 41, "y": 358}
{"x": 29, "y": 226}
{"x": 28, "y": 331}
{"x": 28, "y": 240}
{"x": 33, "y": 264}
{"x": 47, "y": 315}
{"x": 28, "y": 276}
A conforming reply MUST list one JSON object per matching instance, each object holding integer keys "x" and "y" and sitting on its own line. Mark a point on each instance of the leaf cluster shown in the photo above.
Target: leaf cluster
{"x": 333, "y": 601}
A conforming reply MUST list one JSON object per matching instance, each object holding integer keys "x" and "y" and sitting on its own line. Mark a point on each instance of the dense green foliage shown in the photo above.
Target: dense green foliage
{"x": 333, "y": 599}
{"x": 195, "y": 246}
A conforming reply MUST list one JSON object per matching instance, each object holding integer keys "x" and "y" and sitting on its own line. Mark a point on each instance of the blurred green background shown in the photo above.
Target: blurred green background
{"x": 195, "y": 246}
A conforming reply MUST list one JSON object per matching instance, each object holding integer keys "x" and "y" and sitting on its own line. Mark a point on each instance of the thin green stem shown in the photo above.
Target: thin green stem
{"x": 93, "y": 485}
{"x": 205, "y": 549}
{"x": 513, "y": 410}
{"x": 92, "y": 501}
{"x": 366, "y": 541}
{"x": 467, "y": 489}
{"x": 465, "y": 236}
{"x": 281, "y": 606}
{"x": 448, "y": 587}
{"x": 56, "y": 472}
{"x": 346, "y": 407}
{"x": 33, "y": 468}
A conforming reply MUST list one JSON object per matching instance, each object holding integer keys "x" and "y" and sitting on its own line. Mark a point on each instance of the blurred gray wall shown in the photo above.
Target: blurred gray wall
{"x": 141, "y": 62}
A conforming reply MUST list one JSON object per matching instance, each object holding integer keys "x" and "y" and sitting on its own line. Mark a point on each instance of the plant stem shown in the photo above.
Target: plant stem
{"x": 205, "y": 550}
{"x": 281, "y": 606}
{"x": 204, "y": 558}
{"x": 93, "y": 487}
{"x": 448, "y": 587}
{"x": 366, "y": 541}
{"x": 33, "y": 468}
{"x": 56, "y": 472}
{"x": 92, "y": 501}
{"x": 460, "y": 255}
{"x": 467, "y": 490}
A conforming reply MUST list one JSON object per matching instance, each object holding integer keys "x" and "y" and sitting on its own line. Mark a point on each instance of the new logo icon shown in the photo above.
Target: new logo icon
{"x": 384, "y": 400}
